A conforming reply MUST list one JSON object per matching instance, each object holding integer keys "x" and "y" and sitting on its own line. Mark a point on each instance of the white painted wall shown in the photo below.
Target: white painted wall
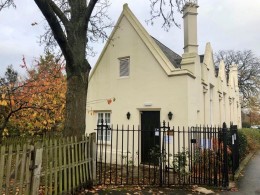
{"x": 147, "y": 83}
{"x": 153, "y": 80}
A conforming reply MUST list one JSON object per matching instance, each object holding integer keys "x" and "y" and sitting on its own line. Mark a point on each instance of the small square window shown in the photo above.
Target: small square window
{"x": 124, "y": 67}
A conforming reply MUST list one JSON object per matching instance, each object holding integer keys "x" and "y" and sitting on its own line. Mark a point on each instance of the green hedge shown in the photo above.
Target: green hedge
{"x": 243, "y": 144}
{"x": 246, "y": 125}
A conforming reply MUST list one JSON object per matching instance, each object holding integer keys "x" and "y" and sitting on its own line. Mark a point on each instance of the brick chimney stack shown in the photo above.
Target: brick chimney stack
{"x": 190, "y": 26}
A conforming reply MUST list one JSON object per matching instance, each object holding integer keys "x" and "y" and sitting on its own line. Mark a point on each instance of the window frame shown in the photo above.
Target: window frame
{"x": 127, "y": 58}
{"x": 104, "y": 138}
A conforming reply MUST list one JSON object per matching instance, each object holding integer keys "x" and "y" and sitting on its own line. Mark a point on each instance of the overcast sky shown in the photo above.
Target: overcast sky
{"x": 227, "y": 24}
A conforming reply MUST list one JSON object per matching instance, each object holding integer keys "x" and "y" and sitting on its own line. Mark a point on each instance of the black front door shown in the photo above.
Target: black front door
{"x": 150, "y": 139}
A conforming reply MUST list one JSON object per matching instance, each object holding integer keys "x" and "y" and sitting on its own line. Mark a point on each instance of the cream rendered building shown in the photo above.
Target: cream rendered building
{"x": 149, "y": 81}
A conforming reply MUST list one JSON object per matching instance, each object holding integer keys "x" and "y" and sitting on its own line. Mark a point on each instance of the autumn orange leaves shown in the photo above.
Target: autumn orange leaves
{"x": 35, "y": 103}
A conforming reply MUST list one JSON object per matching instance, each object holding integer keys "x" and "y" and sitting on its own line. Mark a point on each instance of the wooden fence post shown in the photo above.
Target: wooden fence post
{"x": 2, "y": 163}
{"x": 92, "y": 140}
{"x": 36, "y": 169}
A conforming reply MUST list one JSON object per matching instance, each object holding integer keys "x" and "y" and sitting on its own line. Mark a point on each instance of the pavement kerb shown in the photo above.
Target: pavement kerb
{"x": 242, "y": 165}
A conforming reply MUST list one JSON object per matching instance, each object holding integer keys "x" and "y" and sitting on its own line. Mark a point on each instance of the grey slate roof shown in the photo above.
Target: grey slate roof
{"x": 174, "y": 58}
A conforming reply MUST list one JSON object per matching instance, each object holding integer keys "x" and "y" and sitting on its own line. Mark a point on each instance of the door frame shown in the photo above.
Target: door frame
{"x": 141, "y": 139}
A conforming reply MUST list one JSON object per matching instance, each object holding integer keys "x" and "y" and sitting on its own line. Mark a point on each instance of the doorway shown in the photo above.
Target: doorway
{"x": 150, "y": 136}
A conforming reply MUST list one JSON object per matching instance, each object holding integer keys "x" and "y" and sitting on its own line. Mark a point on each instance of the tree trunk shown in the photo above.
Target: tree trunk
{"x": 76, "y": 98}
{"x": 77, "y": 71}
{"x": 73, "y": 46}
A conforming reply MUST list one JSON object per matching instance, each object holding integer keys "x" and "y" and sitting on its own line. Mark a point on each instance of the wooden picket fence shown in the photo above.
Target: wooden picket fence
{"x": 48, "y": 166}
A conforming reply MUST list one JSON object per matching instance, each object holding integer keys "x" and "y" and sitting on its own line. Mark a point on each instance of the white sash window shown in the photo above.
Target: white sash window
{"x": 104, "y": 133}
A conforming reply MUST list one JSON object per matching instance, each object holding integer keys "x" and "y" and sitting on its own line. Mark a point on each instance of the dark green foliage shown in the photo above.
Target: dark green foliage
{"x": 180, "y": 161}
{"x": 155, "y": 152}
{"x": 243, "y": 145}
{"x": 253, "y": 139}
{"x": 246, "y": 125}
{"x": 13, "y": 129}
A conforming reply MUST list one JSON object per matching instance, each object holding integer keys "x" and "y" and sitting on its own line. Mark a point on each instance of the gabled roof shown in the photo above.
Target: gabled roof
{"x": 168, "y": 60}
{"x": 208, "y": 59}
{"x": 174, "y": 58}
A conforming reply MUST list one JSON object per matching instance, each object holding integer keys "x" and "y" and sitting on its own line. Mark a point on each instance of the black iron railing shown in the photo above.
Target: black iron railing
{"x": 173, "y": 156}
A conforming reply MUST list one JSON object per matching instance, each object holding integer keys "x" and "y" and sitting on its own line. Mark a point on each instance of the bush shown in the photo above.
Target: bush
{"x": 249, "y": 140}
{"x": 243, "y": 145}
{"x": 246, "y": 125}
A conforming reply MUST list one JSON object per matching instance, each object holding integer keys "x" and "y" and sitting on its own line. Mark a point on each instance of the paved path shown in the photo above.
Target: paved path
{"x": 249, "y": 182}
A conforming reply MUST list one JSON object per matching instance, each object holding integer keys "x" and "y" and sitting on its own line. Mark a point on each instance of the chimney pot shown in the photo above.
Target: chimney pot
{"x": 190, "y": 26}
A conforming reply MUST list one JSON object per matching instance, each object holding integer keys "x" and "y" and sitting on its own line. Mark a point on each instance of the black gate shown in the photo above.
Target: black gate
{"x": 173, "y": 156}
{"x": 235, "y": 148}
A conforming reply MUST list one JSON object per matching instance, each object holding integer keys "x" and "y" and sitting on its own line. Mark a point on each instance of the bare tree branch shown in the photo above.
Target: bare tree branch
{"x": 56, "y": 27}
{"x": 6, "y": 3}
{"x": 248, "y": 71}
{"x": 164, "y": 9}
{"x": 59, "y": 13}
{"x": 90, "y": 9}
{"x": 167, "y": 9}
{"x": 99, "y": 22}
{"x": 71, "y": 24}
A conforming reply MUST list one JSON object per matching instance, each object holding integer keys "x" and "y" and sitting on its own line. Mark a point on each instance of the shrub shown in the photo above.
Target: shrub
{"x": 243, "y": 145}
{"x": 253, "y": 138}
{"x": 246, "y": 125}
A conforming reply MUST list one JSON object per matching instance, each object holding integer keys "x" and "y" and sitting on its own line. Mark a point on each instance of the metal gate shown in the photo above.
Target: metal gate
{"x": 195, "y": 155}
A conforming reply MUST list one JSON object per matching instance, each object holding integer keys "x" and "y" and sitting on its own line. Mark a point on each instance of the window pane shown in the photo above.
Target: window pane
{"x": 100, "y": 117}
{"x": 99, "y": 135}
{"x": 104, "y": 134}
{"x": 107, "y": 118}
{"x": 124, "y": 67}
